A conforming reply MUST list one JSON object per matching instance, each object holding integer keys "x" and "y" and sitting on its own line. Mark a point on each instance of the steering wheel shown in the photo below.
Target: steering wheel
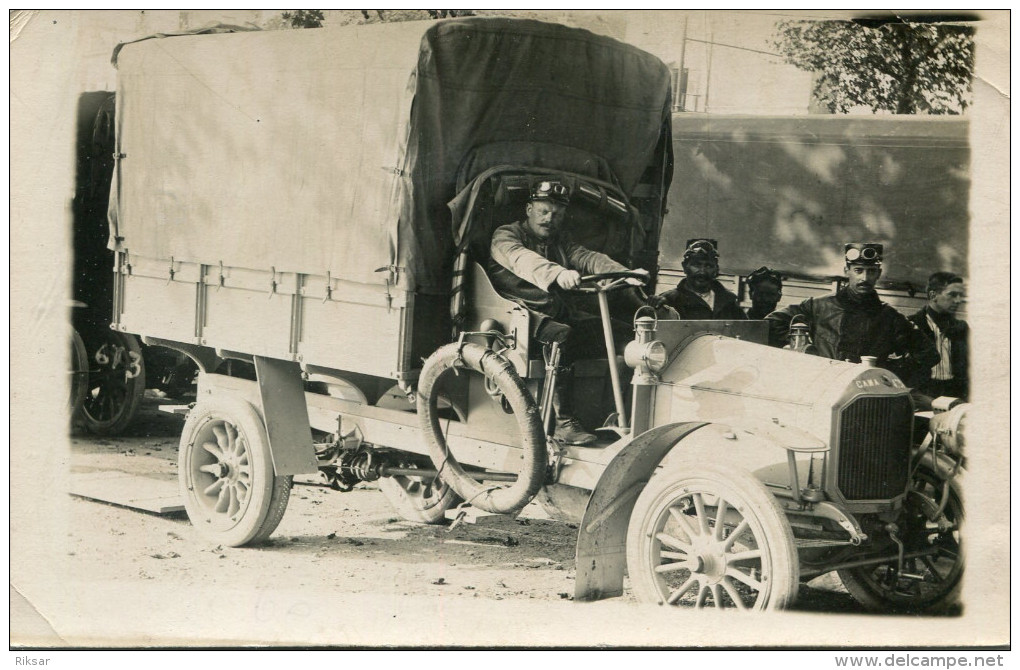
{"x": 614, "y": 281}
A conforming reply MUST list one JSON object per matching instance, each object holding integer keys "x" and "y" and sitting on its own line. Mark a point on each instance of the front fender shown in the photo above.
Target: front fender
{"x": 602, "y": 536}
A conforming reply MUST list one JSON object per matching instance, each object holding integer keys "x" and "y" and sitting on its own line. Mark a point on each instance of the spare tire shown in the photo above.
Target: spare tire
{"x": 501, "y": 373}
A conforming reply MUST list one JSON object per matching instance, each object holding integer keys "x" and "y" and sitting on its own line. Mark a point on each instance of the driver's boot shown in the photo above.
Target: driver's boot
{"x": 568, "y": 429}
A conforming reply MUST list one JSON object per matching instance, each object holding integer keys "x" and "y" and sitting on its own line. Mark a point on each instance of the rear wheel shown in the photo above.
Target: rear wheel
{"x": 116, "y": 383}
{"x": 79, "y": 374}
{"x": 226, "y": 473}
{"x": 710, "y": 536}
{"x": 419, "y": 499}
{"x": 930, "y": 581}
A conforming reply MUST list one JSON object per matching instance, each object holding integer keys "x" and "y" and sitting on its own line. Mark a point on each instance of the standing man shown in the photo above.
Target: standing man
{"x": 699, "y": 295}
{"x": 766, "y": 288}
{"x": 534, "y": 264}
{"x": 854, "y": 322}
{"x": 937, "y": 320}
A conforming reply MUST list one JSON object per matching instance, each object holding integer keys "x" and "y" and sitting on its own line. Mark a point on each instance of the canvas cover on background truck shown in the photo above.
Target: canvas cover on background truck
{"x": 337, "y": 150}
{"x": 788, "y": 192}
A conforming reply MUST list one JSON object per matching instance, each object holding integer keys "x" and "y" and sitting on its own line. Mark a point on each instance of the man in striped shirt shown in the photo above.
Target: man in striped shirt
{"x": 937, "y": 320}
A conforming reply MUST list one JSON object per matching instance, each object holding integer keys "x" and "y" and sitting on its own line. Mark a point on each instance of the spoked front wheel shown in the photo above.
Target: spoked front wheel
{"x": 933, "y": 550}
{"x": 710, "y": 536}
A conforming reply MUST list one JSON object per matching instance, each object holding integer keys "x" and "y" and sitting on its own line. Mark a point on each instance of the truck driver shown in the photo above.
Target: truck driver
{"x": 535, "y": 263}
{"x": 855, "y": 323}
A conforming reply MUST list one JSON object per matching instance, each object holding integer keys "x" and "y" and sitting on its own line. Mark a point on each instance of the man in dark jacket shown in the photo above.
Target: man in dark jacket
{"x": 855, "y": 323}
{"x": 937, "y": 320}
{"x": 535, "y": 264}
{"x": 699, "y": 295}
{"x": 765, "y": 287}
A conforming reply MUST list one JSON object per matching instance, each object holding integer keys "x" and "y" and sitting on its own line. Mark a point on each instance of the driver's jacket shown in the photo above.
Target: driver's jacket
{"x": 524, "y": 269}
{"x": 844, "y": 329}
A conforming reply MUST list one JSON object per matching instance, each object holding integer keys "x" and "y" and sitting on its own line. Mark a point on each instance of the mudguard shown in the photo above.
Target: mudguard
{"x": 282, "y": 396}
{"x": 602, "y": 536}
{"x": 279, "y": 397}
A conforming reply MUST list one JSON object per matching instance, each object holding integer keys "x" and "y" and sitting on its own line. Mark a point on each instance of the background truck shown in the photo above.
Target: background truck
{"x": 111, "y": 368}
{"x": 305, "y": 214}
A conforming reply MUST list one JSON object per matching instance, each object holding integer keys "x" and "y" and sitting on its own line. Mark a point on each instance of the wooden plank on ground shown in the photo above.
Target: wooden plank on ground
{"x": 159, "y": 496}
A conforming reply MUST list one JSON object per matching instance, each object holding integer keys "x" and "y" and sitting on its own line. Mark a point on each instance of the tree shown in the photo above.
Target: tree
{"x": 304, "y": 18}
{"x": 316, "y": 18}
{"x": 900, "y": 67}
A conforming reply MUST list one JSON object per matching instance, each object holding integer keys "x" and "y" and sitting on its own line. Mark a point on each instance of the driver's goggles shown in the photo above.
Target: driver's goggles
{"x": 552, "y": 188}
{"x": 867, "y": 254}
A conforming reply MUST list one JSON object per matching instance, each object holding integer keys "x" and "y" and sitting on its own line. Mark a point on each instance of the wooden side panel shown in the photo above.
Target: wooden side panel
{"x": 156, "y": 307}
{"x": 249, "y": 321}
{"x": 351, "y": 336}
{"x": 316, "y": 320}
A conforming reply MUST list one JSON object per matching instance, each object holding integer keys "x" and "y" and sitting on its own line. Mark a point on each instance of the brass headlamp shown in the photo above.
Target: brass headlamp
{"x": 645, "y": 354}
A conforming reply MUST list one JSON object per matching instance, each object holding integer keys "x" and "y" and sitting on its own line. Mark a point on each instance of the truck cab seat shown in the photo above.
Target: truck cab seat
{"x": 484, "y": 302}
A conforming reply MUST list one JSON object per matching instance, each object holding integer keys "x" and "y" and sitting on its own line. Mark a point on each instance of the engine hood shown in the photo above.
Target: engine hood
{"x": 725, "y": 380}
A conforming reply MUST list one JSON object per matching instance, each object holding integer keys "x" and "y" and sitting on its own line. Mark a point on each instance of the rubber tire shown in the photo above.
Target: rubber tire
{"x": 414, "y": 507}
{"x": 501, "y": 500}
{"x": 760, "y": 508}
{"x": 79, "y": 375}
{"x": 864, "y": 590}
{"x": 134, "y": 388}
{"x": 268, "y": 493}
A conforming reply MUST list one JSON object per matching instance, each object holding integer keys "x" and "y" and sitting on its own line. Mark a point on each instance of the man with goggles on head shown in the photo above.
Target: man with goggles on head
{"x": 699, "y": 295}
{"x": 855, "y": 323}
{"x": 535, "y": 264}
{"x": 766, "y": 288}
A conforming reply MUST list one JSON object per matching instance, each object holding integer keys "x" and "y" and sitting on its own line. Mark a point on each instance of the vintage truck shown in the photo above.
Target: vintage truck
{"x": 110, "y": 369}
{"x": 305, "y": 214}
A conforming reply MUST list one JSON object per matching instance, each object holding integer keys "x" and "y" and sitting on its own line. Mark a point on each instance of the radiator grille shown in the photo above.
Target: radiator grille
{"x": 874, "y": 447}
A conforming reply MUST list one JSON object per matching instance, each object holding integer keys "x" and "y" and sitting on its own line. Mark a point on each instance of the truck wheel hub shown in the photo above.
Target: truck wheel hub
{"x": 711, "y": 565}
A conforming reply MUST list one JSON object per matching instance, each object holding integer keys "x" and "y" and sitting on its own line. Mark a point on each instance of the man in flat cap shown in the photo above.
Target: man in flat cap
{"x": 855, "y": 323}
{"x": 534, "y": 263}
{"x": 699, "y": 295}
{"x": 766, "y": 288}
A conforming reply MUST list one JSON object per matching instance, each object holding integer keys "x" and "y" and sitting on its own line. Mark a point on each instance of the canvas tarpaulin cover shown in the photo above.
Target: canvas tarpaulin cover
{"x": 265, "y": 149}
{"x": 337, "y": 150}
{"x": 517, "y": 91}
{"x": 788, "y": 192}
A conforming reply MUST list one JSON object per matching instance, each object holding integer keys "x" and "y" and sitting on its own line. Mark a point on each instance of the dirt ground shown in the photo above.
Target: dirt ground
{"x": 329, "y": 542}
{"x": 354, "y": 538}
{"x": 326, "y": 538}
